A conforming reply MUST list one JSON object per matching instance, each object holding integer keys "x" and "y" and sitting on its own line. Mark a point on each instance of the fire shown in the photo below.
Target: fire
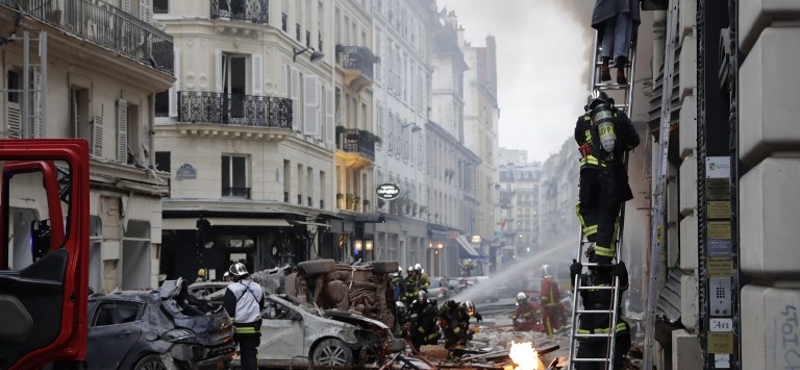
{"x": 525, "y": 357}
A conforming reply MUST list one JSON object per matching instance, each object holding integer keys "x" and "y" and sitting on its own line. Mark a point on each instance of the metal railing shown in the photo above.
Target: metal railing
{"x": 355, "y": 141}
{"x": 105, "y": 25}
{"x": 236, "y": 192}
{"x": 256, "y": 11}
{"x": 356, "y": 58}
{"x": 234, "y": 109}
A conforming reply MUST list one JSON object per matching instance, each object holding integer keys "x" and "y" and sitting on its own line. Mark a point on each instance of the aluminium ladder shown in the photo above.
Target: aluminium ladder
{"x": 620, "y": 93}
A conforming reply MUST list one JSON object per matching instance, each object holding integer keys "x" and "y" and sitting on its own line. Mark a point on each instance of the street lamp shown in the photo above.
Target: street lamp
{"x": 415, "y": 129}
{"x": 315, "y": 55}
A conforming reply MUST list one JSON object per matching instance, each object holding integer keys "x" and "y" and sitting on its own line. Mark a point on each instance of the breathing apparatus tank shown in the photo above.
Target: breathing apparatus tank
{"x": 603, "y": 119}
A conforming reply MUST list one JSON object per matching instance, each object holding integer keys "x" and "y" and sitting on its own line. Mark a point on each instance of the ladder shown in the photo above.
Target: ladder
{"x": 620, "y": 93}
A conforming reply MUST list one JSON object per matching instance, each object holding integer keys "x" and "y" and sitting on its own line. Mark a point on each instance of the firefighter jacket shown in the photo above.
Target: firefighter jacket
{"x": 525, "y": 312}
{"x": 411, "y": 287}
{"x": 244, "y": 301}
{"x": 550, "y": 295}
{"x": 456, "y": 329}
{"x": 600, "y": 299}
{"x": 424, "y": 321}
{"x": 583, "y": 136}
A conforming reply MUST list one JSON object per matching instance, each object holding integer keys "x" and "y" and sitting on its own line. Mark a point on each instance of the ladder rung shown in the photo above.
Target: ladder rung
{"x": 596, "y": 311}
{"x": 611, "y": 86}
{"x": 579, "y": 335}
{"x": 590, "y": 287}
{"x": 589, "y": 359}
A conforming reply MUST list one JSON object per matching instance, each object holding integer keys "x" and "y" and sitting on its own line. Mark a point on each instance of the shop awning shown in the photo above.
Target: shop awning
{"x": 466, "y": 247}
{"x": 191, "y": 223}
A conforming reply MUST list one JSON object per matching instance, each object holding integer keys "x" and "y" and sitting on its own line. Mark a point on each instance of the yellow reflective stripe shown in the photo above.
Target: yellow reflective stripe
{"x": 584, "y": 331}
{"x": 590, "y": 230}
{"x": 620, "y": 327}
{"x": 578, "y": 212}
{"x": 457, "y": 330}
{"x": 245, "y": 330}
{"x": 604, "y": 252}
{"x": 434, "y": 335}
{"x": 421, "y": 329}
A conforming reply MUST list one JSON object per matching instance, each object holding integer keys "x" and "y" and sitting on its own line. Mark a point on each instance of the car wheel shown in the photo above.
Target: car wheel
{"x": 317, "y": 267}
{"x": 150, "y": 362}
{"x": 332, "y": 352}
{"x": 385, "y": 267}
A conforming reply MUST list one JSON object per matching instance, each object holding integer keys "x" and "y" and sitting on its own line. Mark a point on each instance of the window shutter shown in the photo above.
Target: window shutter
{"x": 97, "y": 136}
{"x": 126, "y": 6}
{"x": 258, "y": 79}
{"x": 13, "y": 120}
{"x": 285, "y": 79}
{"x": 122, "y": 131}
{"x": 173, "y": 91}
{"x": 294, "y": 95}
{"x": 218, "y": 70}
{"x": 330, "y": 130}
{"x": 38, "y": 124}
{"x": 144, "y": 10}
{"x": 311, "y": 102}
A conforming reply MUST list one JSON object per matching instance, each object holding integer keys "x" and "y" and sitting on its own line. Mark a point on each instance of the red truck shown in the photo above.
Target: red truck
{"x": 44, "y": 264}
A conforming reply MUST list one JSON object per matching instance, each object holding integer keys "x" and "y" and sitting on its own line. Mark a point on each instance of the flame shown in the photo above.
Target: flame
{"x": 524, "y": 356}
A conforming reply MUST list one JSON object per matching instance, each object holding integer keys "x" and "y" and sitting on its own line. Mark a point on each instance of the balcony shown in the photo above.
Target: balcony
{"x": 355, "y": 148}
{"x": 357, "y": 62}
{"x": 234, "y": 109}
{"x": 255, "y": 11}
{"x": 236, "y": 192}
{"x": 104, "y": 25}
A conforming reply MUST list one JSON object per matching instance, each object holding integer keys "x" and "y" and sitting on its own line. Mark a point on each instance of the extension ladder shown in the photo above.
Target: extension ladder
{"x": 620, "y": 93}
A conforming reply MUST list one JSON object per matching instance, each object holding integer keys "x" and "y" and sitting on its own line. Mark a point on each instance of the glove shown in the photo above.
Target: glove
{"x": 620, "y": 270}
{"x": 575, "y": 268}
{"x": 585, "y": 150}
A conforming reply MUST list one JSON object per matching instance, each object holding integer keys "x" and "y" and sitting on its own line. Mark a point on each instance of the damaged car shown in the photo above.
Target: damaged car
{"x": 157, "y": 330}
{"x": 298, "y": 333}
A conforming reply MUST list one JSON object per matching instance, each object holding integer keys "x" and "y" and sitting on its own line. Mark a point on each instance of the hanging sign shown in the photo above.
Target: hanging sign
{"x": 387, "y": 191}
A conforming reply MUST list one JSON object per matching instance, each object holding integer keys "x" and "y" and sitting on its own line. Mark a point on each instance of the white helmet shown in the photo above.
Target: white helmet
{"x": 418, "y": 267}
{"x": 410, "y": 268}
{"x": 400, "y": 269}
{"x": 521, "y": 296}
{"x": 546, "y": 271}
{"x": 238, "y": 269}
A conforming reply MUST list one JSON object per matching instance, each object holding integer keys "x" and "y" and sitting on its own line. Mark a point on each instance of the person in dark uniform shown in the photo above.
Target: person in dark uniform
{"x": 598, "y": 323}
{"x": 423, "y": 325}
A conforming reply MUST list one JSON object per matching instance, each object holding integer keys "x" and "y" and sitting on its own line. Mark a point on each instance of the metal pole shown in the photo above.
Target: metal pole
{"x": 26, "y": 106}
{"x": 43, "y": 82}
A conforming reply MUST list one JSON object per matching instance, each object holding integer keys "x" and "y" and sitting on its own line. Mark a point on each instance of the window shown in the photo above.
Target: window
{"x": 287, "y": 179}
{"x": 13, "y": 84}
{"x": 162, "y": 104}
{"x": 160, "y": 6}
{"x": 163, "y": 161}
{"x": 116, "y": 312}
{"x": 235, "y": 176}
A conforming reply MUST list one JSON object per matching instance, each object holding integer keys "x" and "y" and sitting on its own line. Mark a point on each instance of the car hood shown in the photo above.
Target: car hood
{"x": 355, "y": 319}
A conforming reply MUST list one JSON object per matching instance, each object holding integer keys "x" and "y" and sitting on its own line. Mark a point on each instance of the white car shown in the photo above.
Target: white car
{"x": 294, "y": 333}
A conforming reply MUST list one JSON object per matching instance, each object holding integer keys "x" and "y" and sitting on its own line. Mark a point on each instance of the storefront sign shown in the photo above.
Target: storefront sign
{"x": 718, "y": 167}
{"x": 387, "y": 191}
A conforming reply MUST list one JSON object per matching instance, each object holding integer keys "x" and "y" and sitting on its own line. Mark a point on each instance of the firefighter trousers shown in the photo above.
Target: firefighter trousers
{"x": 598, "y": 348}
{"x": 599, "y": 204}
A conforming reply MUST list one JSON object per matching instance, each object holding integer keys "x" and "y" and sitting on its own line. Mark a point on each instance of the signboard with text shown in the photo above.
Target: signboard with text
{"x": 387, "y": 191}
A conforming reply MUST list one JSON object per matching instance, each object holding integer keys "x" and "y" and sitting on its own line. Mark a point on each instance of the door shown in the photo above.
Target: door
{"x": 114, "y": 327}
{"x": 235, "y": 86}
{"x": 281, "y": 332}
{"x": 44, "y": 293}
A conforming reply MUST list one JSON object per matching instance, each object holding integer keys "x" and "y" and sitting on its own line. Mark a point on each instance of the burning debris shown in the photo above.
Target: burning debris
{"x": 525, "y": 357}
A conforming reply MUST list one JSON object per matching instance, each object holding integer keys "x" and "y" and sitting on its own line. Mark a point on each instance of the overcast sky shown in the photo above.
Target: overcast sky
{"x": 542, "y": 65}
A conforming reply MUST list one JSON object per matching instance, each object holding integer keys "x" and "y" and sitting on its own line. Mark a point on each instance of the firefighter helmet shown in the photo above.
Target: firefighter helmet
{"x": 201, "y": 272}
{"x": 469, "y": 307}
{"x": 422, "y": 295}
{"x": 418, "y": 267}
{"x": 238, "y": 269}
{"x": 410, "y": 269}
{"x": 546, "y": 271}
{"x": 522, "y": 297}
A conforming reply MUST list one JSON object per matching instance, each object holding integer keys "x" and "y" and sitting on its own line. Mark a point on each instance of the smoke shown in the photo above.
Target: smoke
{"x": 581, "y": 12}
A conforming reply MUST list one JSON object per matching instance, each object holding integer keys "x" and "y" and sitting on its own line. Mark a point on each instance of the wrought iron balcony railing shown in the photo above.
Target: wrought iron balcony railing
{"x": 236, "y": 192}
{"x": 234, "y": 109}
{"x": 356, "y": 58}
{"x": 105, "y": 25}
{"x": 256, "y": 11}
{"x": 353, "y": 140}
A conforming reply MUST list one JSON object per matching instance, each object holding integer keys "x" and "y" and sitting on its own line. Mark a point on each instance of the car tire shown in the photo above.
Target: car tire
{"x": 317, "y": 267}
{"x": 150, "y": 362}
{"x": 332, "y": 352}
{"x": 385, "y": 267}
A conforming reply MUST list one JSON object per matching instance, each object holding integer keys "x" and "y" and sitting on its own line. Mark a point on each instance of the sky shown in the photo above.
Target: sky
{"x": 542, "y": 65}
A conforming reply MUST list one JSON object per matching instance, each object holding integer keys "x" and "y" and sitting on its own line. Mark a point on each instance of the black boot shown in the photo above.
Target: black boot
{"x": 620, "y": 64}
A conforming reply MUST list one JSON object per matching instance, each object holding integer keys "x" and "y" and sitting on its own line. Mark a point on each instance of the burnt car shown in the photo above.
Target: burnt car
{"x": 156, "y": 330}
{"x": 296, "y": 333}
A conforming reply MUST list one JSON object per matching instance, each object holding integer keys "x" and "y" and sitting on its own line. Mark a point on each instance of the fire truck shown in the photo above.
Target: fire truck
{"x": 44, "y": 267}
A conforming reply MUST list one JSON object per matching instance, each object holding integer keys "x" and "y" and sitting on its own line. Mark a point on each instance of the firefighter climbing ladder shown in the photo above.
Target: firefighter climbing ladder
{"x": 623, "y": 93}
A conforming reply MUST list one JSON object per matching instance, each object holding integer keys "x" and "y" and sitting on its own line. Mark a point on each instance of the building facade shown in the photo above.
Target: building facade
{"x": 247, "y": 132}
{"x": 92, "y": 74}
{"x": 518, "y": 224}
{"x": 402, "y": 40}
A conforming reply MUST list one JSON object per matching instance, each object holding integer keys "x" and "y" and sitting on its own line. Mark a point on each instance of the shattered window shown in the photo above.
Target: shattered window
{"x": 115, "y": 313}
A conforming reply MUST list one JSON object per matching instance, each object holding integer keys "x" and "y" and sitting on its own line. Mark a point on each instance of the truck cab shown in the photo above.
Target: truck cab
{"x": 44, "y": 277}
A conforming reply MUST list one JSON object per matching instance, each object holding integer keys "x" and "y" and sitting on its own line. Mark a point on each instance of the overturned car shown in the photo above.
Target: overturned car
{"x": 156, "y": 330}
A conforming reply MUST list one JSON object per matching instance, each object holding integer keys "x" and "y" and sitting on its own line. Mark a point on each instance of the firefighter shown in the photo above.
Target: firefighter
{"x": 524, "y": 317}
{"x": 410, "y": 286}
{"x": 201, "y": 276}
{"x": 244, "y": 300}
{"x": 398, "y": 284}
{"x": 423, "y": 281}
{"x": 550, "y": 298}
{"x": 598, "y": 323}
{"x": 457, "y": 333}
{"x": 603, "y": 134}
{"x": 423, "y": 321}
